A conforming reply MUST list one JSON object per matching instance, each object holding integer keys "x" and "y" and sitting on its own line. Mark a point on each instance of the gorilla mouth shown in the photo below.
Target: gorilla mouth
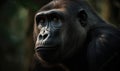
{"x": 47, "y": 53}
{"x": 45, "y": 47}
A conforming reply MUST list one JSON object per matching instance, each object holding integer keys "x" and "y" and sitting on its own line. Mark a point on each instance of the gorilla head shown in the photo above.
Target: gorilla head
{"x": 60, "y": 30}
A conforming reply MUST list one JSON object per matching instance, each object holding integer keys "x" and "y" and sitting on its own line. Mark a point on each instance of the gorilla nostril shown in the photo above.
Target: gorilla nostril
{"x": 45, "y": 36}
{"x": 40, "y": 37}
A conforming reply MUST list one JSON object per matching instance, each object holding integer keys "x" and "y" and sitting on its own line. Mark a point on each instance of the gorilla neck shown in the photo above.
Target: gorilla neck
{"x": 77, "y": 62}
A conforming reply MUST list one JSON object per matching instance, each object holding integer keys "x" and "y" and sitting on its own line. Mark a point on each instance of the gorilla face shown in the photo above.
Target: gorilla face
{"x": 59, "y": 31}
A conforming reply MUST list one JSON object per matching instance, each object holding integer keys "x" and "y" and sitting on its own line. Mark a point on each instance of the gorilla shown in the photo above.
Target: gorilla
{"x": 70, "y": 36}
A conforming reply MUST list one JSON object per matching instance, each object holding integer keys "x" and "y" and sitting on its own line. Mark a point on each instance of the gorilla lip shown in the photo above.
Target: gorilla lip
{"x": 44, "y": 48}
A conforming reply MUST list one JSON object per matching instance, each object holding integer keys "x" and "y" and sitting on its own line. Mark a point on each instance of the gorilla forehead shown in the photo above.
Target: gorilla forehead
{"x": 72, "y": 7}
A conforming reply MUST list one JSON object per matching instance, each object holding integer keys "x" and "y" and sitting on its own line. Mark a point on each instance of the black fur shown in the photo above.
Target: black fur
{"x": 99, "y": 51}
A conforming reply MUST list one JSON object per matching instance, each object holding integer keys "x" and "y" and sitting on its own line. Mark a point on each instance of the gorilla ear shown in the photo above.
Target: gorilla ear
{"x": 82, "y": 17}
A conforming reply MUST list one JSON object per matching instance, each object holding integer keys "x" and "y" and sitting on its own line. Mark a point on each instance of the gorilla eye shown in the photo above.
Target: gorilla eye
{"x": 42, "y": 21}
{"x": 55, "y": 19}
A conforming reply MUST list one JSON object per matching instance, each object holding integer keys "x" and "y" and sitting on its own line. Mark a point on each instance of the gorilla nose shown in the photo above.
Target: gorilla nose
{"x": 43, "y": 36}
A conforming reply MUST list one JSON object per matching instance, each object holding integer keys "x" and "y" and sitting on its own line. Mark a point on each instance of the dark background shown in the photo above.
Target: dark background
{"x": 16, "y": 26}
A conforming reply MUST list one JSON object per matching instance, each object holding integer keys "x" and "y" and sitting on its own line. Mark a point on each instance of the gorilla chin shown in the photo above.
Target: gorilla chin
{"x": 48, "y": 54}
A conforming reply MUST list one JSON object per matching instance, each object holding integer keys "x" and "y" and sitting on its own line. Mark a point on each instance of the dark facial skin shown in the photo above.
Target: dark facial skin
{"x": 49, "y": 24}
{"x": 55, "y": 32}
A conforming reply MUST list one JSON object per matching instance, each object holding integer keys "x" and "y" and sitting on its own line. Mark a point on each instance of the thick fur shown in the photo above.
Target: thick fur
{"x": 98, "y": 51}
